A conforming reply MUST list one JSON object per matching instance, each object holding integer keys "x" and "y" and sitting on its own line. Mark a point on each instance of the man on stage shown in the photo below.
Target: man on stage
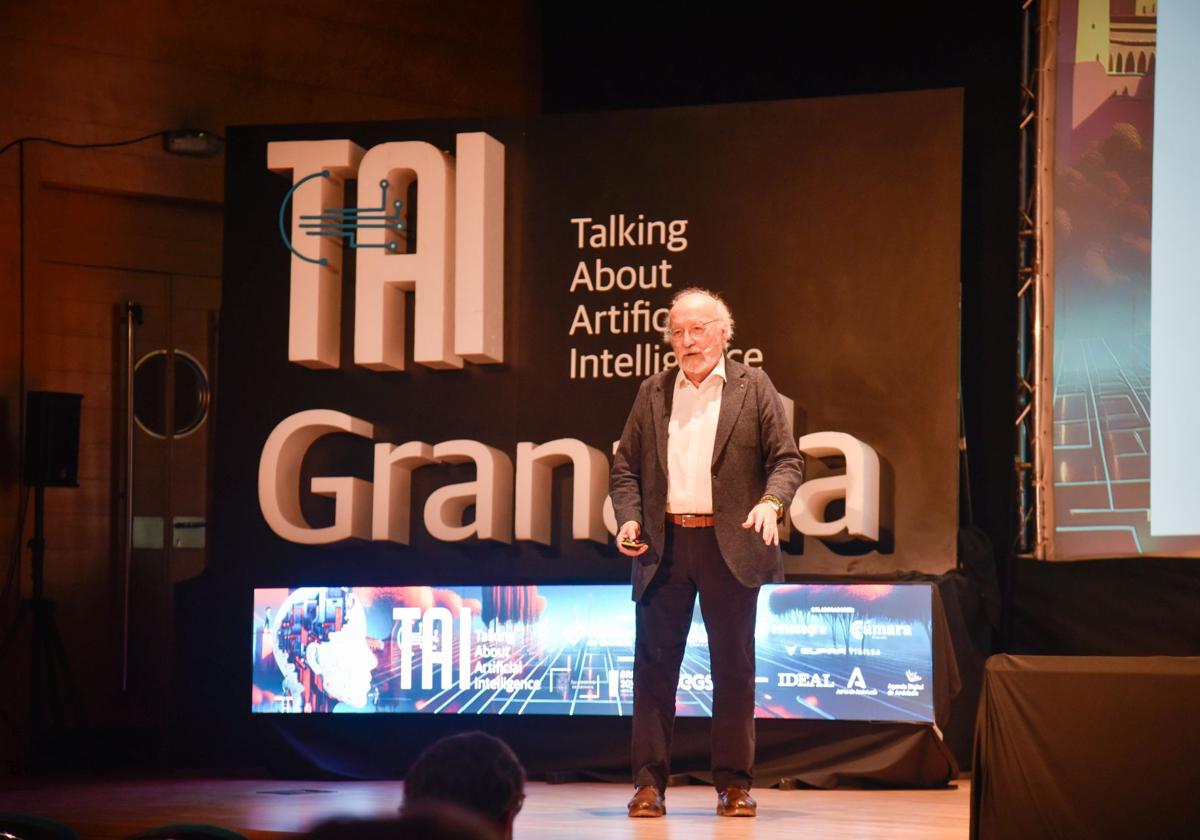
{"x": 704, "y": 470}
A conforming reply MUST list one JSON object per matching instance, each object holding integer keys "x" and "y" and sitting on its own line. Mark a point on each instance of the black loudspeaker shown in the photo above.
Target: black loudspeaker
{"x": 52, "y": 439}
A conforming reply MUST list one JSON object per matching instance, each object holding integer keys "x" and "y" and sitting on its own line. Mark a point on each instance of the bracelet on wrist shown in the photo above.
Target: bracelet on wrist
{"x": 775, "y": 502}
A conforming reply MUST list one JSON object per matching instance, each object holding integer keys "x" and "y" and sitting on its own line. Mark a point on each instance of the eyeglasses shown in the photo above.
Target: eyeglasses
{"x": 695, "y": 333}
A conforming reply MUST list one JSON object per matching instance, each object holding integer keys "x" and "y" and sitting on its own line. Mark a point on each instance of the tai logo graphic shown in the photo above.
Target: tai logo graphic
{"x": 454, "y": 266}
{"x": 913, "y": 676}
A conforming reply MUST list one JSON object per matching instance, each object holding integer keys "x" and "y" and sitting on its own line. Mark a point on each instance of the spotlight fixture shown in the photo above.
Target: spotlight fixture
{"x": 193, "y": 143}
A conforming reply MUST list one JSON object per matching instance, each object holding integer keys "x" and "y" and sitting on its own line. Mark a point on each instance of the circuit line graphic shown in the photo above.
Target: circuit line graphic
{"x": 344, "y": 222}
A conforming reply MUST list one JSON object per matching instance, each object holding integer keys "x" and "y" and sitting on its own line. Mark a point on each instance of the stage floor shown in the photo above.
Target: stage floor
{"x": 272, "y": 808}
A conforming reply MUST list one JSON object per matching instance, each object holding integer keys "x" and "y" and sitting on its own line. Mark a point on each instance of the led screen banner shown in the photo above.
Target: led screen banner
{"x": 1125, "y": 449}
{"x": 432, "y": 332}
{"x": 832, "y": 652}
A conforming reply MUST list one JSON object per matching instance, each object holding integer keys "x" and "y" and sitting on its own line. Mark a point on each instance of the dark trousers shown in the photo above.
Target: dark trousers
{"x": 692, "y": 564}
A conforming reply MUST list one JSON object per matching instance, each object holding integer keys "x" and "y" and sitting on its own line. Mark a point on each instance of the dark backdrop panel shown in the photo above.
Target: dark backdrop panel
{"x": 831, "y": 225}
{"x": 259, "y": 387}
{"x": 805, "y": 215}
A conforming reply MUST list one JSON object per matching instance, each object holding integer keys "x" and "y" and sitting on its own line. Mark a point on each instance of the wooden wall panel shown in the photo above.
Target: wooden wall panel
{"x": 106, "y": 225}
{"x": 292, "y": 49}
{"x": 117, "y": 93}
{"x": 122, "y": 232}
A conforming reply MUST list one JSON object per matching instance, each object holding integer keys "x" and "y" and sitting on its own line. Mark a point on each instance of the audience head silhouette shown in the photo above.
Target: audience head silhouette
{"x": 473, "y": 771}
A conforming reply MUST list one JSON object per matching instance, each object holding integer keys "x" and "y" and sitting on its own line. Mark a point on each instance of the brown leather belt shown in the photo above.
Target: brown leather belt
{"x": 691, "y": 520}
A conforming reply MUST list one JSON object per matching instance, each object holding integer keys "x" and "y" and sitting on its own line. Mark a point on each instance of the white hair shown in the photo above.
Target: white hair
{"x": 723, "y": 313}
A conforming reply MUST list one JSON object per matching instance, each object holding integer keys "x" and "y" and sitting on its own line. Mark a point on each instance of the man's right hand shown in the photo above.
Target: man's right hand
{"x": 630, "y": 531}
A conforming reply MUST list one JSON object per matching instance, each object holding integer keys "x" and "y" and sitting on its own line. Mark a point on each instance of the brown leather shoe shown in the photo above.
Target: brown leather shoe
{"x": 736, "y": 802}
{"x": 647, "y": 802}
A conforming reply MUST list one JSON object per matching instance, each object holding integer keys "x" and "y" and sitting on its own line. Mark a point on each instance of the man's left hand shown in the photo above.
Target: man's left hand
{"x": 762, "y": 519}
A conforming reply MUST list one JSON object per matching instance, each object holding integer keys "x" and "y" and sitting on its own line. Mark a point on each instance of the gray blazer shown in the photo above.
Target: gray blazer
{"x": 753, "y": 454}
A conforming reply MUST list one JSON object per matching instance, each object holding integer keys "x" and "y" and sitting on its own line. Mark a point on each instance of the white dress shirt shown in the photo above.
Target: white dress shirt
{"x": 690, "y": 436}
